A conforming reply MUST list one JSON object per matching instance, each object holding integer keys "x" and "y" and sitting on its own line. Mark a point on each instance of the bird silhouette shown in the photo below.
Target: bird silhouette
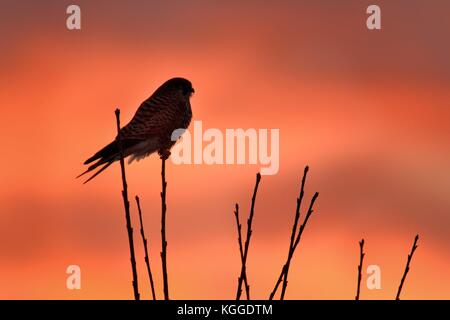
{"x": 151, "y": 128}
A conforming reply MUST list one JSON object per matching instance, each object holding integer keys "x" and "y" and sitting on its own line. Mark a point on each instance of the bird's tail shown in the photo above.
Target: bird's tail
{"x": 105, "y": 156}
{"x": 110, "y": 150}
{"x": 97, "y": 173}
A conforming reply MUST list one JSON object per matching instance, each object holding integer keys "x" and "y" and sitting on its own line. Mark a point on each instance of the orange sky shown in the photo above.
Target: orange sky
{"x": 368, "y": 111}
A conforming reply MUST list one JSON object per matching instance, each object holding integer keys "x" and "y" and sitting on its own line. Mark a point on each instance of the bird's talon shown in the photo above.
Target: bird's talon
{"x": 164, "y": 154}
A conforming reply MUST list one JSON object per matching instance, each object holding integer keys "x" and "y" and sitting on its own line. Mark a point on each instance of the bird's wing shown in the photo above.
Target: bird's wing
{"x": 156, "y": 116}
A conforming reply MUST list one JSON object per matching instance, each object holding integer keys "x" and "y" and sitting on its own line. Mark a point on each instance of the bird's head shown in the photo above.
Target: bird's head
{"x": 181, "y": 84}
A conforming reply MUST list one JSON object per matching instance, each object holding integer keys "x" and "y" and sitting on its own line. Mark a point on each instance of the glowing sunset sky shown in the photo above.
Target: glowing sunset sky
{"x": 368, "y": 111}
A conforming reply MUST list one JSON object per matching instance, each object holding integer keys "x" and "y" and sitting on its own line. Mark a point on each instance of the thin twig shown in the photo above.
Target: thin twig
{"x": 241, "y": 249}
{"x": 414, "y": 247}
{"x": 247, "y": 241}
{"x": 297, "y": 241}
{"x": 126, "y": 204}
{"x": 294, "y": 230}
{"x": 163, "y": 228}
{"x": 293, "y": 233}
{"x": 144, "y": 240}
{"x": 361, "y": 259}
{"x": 296, "y": 234}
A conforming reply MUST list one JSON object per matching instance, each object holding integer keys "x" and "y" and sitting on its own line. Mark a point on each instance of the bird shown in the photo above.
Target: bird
{"x": 151, "y": 128}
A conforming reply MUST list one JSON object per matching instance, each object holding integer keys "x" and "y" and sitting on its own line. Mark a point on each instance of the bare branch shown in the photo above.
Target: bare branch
{"x": 295, "y": 238}
{"x": 414, "y": 247}
{"x": 241, "y": 249}
{"x": 126, "y": 204}
{"x": 361, "y": 259}
{"x": 144, "y": 240}
{"x": 163, "y": 228}
{"x": 247, "y": 241}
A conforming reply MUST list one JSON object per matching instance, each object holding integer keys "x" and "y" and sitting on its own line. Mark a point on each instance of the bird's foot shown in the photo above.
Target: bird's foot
{"x": 164, "y": 154}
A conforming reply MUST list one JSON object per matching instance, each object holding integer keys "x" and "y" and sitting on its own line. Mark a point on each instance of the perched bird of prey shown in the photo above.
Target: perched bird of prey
{"x": 150, "y": 130}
